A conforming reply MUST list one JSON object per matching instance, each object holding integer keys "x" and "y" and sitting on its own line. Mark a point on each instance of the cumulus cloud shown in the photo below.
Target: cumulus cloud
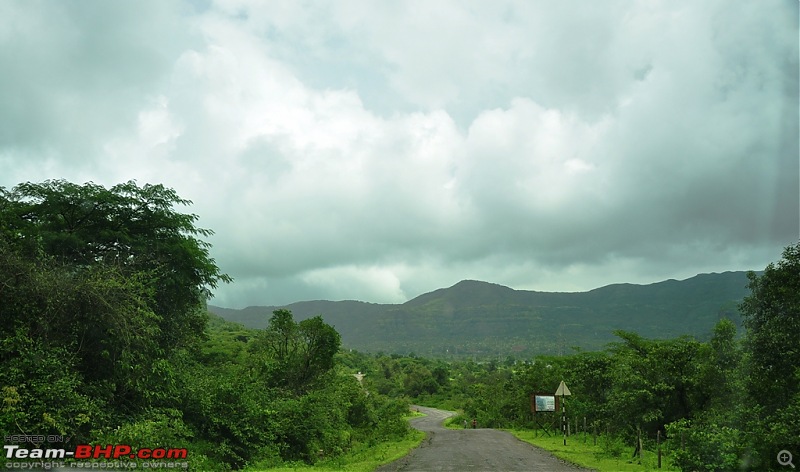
{"x": 362, "y": 150}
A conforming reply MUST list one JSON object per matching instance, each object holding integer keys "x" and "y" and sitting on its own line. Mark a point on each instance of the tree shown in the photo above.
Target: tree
{"x": 653, "y": 381}
{"x": 772, "y": 348}
{"x": 720, "y": 368}
{"x": 135, "y": 229}
{"x": 772, "y": 319}
{"x": 294, "y": 355}
{"x": 107, "y": 284}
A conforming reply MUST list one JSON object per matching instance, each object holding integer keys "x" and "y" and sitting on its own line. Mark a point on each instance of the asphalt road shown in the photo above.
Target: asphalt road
{"x": 465, "y": 450}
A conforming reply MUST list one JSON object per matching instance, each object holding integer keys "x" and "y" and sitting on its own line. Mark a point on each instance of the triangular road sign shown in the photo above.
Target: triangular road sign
{"x": 562, "y": 389}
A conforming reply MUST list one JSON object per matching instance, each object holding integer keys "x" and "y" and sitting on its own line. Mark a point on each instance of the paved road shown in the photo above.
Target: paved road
{"x": 476, "y": 450}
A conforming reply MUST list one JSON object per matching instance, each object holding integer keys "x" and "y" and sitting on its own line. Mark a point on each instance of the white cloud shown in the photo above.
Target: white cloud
{"x": 371, "y": 150}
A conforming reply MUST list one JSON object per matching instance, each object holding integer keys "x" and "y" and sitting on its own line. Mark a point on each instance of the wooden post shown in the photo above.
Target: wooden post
{"x": 594, "y": 431}
{"x": 658, "y": 446}
{"x": 584, "y": 430}
{"x": 639, "y": 443}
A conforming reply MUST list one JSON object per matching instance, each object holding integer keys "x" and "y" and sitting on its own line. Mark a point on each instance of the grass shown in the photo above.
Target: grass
{"x": 365, "y": 459}
{"x": 456, "y": 421}
{"x": 414, "y": 414}
{"x": 606, "y": 456}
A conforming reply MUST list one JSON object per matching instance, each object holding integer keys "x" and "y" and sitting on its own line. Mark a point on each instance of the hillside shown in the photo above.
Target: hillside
{"x": 474, "y": 318}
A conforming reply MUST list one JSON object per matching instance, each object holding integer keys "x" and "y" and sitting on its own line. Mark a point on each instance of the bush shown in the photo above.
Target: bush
{"x": 706, "y": 446}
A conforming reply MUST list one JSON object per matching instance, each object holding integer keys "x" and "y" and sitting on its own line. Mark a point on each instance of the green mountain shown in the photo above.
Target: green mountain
{"x": 474, "y": 318}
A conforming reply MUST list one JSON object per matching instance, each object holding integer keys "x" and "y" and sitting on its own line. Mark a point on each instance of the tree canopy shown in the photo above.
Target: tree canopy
{"x": 104, "y": 283}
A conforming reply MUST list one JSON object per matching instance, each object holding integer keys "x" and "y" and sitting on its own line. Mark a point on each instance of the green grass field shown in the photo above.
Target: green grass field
{"x": 604, "y": 457}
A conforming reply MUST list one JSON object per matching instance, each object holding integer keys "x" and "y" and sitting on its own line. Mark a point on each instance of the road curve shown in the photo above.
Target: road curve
{"x": 472, "y": 450}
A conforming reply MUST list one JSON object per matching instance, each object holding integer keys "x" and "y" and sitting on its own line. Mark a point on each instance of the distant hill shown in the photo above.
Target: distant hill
{"x": 474, "y": 318}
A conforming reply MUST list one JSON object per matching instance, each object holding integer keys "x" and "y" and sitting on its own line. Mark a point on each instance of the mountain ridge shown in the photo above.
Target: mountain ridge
{"x": 475, "y": 317}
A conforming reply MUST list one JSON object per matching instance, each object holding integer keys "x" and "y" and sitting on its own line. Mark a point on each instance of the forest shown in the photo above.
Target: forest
{"x": 106, "y": 339}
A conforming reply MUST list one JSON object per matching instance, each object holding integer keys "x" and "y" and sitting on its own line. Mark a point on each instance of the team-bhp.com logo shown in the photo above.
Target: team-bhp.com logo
{"x": 85, "y": 451}
{"x": 85, "y": 456}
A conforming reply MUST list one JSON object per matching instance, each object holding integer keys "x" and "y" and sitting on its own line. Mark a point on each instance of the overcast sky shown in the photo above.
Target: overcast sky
{"x": 377, "y": 150}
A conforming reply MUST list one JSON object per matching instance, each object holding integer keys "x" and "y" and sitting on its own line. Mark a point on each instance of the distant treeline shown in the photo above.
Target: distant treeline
{"x": 479, "y": 320}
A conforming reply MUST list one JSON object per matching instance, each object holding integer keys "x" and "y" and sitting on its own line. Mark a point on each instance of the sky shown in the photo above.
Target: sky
{"x": 378, "y": 150}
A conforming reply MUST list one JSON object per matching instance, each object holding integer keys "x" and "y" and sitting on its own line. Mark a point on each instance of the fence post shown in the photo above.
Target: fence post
{"x": 584, "y": 430}
{"x": 594, "y": 430}
{"x": 658, "y": 445}
{"x": 639, "y": 443}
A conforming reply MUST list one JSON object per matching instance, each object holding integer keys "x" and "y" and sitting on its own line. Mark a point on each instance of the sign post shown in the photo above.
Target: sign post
{"x": 563, "y": 391}
{"x": 543, "y": 404}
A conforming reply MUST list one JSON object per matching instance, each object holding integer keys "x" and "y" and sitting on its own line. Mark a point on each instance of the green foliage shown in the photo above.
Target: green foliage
{"x": 707, "y": 446}
{"x": 418, "y": 380}
{"x": 295, "y": 355}
{"x": 41, "y": 392}
{"x": 248, "y": 406}
{"x": 653, "y": 382}
{"x": 133, "y": 230}
{"x": 92, "y": 321}
{"x": 155, "y": 427}
{"x": 772, "y": 319}
{"x": 234, "y": 418}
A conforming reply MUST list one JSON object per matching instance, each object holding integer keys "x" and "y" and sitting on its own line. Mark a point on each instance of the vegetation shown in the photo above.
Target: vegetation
{"x": 605, "y": 453}
{"x": 106, "y": 340}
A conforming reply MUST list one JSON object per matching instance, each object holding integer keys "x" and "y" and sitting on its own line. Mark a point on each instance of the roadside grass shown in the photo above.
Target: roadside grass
{"x": 364, "y": 459}
{"x": 456, "y": 421}
{"x": 606, "y": 456}
{"x": 414, "y": 414}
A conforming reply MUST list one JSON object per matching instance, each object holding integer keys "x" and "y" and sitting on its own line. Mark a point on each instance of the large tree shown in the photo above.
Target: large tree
{"x": 107, "y": 284}
{"x": 772, "y": 319}
{"x": 136, "y": 230}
